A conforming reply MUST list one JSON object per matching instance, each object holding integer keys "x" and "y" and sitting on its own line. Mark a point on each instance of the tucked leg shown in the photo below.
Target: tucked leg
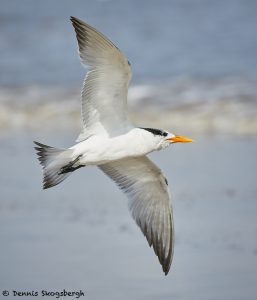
{"x": 69, "y": 167}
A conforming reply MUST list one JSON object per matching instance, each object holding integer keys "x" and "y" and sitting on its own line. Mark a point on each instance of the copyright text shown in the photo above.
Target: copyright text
{"x": 43, "y": 293}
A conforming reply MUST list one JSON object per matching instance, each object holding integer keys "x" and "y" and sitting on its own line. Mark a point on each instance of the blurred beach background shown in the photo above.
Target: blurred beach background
{"x": 194, "y": 73}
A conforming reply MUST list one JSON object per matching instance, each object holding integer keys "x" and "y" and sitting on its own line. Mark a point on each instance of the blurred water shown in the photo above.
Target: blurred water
{"x": 79, "y": 235}
{"x": 227, "y": 106}
{"x": 192, "y": 60}
{"x": 162, "y": 39}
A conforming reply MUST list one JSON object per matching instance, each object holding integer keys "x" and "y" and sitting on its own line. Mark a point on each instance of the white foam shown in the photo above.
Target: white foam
{"x": 218, "y": 106}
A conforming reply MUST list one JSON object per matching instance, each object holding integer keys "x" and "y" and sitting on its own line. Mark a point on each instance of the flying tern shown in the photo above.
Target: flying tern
{"x": 112, "y": 143}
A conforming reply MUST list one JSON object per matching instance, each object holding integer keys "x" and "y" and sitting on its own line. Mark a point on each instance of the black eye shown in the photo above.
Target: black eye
{"x": 164, "y": 133}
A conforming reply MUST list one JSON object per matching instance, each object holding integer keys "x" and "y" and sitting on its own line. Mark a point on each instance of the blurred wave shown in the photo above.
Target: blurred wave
{"x": 197, "y": 60}
{"x": 226, "y": 106}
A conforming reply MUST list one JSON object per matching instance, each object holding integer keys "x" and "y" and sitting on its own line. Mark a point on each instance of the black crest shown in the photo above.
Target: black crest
{"x": 156, "y": 131}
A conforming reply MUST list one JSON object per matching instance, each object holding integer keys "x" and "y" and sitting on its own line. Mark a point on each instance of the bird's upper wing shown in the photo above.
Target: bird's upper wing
{"x": 149, "y": 202}
{"x": 104, "y": 94}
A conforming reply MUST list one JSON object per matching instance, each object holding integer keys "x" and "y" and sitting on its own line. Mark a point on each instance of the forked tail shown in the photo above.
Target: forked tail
{"x": 55, "y": 162}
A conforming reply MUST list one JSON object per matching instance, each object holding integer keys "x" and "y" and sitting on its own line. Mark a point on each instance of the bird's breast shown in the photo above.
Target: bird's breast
{"x": 102, "y": 150}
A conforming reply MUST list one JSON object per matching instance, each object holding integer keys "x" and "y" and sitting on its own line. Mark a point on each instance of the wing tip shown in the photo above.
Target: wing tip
{"x": 164, "y": 260}
{"x": 73, "y": 19}
{"x": 166, "y": 265}
{"x": 160, "y": 250}
{"x": 77, "y": 22}
{"x": 167, "y": 261}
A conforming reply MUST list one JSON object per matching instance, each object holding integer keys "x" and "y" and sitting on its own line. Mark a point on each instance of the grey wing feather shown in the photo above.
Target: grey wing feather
{"x": 104, "y": 94}
{"x": 149, "y": 202}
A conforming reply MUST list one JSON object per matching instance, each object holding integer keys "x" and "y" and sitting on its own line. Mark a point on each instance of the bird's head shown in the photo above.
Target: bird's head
{"x": 165, "y": 138}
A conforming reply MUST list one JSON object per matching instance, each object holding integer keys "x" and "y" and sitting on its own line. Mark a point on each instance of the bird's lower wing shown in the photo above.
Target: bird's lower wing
{"x": 104, "y": 95}
{"x": 149, "y": 202}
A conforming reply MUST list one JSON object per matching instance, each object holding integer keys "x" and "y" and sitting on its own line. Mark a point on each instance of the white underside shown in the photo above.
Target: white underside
{"x": 97, "y": 150}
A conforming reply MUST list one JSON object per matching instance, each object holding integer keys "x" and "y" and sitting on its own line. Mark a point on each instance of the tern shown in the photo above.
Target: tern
{"x": 112, "y": 143}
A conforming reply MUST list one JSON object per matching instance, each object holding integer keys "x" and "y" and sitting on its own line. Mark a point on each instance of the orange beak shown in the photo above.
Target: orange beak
{"x": 180, "y": 139}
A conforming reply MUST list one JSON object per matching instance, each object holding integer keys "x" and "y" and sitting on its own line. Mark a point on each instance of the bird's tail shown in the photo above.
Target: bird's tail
{"x": 53, "y": 161}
